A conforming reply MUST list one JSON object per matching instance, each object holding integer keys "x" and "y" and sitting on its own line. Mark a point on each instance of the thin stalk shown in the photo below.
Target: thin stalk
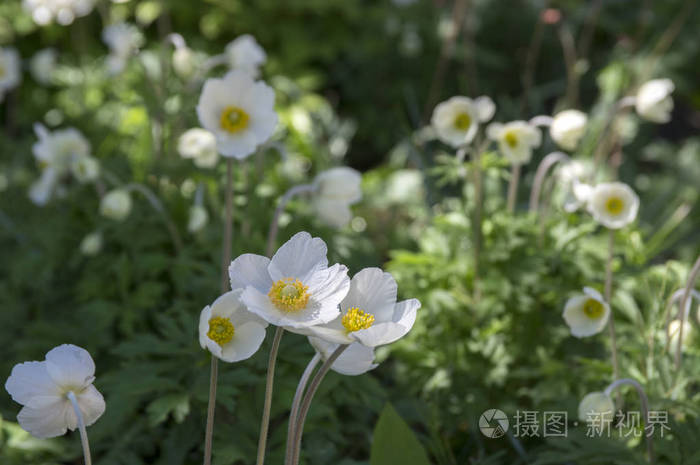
{"x": 478, "y": 207}
{"x": 513, "y": 186}
{"x": 265, "y": 423}
{"x": 572, "y": 78}
{"x": 545, "y": 165}
{"x": 608, "y": 297}
{"x": 683, "y": 312}
{"x": 274, "y": 226}
{"x": 209, "y": 433}
{"x": 644, "y": 403}
{"x": 298, "y": 395}
{"x": 81, "y": 427}
{"x": 308, "y": 397}
{"x": 157, "y": 205}
{"x": 533, "y": 53}
{"x": 688, "y": 287}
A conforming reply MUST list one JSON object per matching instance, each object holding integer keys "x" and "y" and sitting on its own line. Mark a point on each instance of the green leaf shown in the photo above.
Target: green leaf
{"x": 394, "y": 442}
{"x": 177, "y": 404}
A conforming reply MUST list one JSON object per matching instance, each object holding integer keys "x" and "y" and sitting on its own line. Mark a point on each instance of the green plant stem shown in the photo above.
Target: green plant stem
{"x": 644, "y": 404}
{"x": 513, "y": 186}
{"x": 81, "y": 426}
{"x": 294, "y": 412}
{"x": 684, "y": 301}
{"x": 209, "y": 433}
{"x": 478, "y": 206}
{"x": 543, "y": 168}
{"x": 608, "y": 297}
{"x": 265, "y": 423}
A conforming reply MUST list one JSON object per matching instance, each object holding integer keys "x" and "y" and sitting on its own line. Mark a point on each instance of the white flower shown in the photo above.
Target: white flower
{"x": 10, "y": 70}
{"x": 370, "y": 314}
{"x": 91, "y": 244}
{"x": 85, "y": 169}
{"x": 355, "y": 360}
{"x": 184, "y": 62}
{"x": 567, "y": 128}
{"x": 295, "y": 289}
{"x": 228, "y": 330}
{"x": 245, "y": 54}
{"x": 336, "y": 189}
{"x": 43, "y": 12}
{"x": 198, "y": 218}
{"x": 597, "y": 408}
{"x": 587, "y": 313}
{"x": 457, "y": 119}
{"x": 654, "y": 101}
{"x": 674, "y": 329}
{"x": 123, "y": 40}
{"x": 43, "y": 387}
{"x": 199, "y": 145}
{"x": 42, "y": 189}
{"x": 239, "y": 111}
{"x": 516, "y": 140}
{"x": 572, "y": 176}
{"x": 43, "y": 64}
{"x": 614, "y": 205}
{"x": 578, "y": 196}
{"x": 116, "y": 204}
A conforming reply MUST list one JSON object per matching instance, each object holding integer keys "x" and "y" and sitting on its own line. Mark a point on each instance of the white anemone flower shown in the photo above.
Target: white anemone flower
{"x": 228, "y": 330}
{"x": 370, "y": 314}
{"x": 356, "y": 360}
{"x": 296, "y": 288}
{"x": 654, "y": 102}
{"x": 85, "y": 169}
{"x": 335, "y": 190}
{"x": 64, "y": 12}
{"x": 573, "y": 176}
{"x": 43, "y": 65}
{"x": 456, "y": 120}
{"x": 245, "y": 54}
{"x": 239, "y": 111}
{"x": 199, "y": 145}
{"x": 123, "y": 40}
{"x": 597, "y": 408}
{"x": 516, "y": 140}
{"x": 198, "y": 218}
{"x": 587, "y": 313}
{"x": 184, "y": 62}
{"x": 10, "y": 70}
{"x": 91, "y": 244}
{"x": 614, "y": 205}
{"x": 43, "y": 389}
{"x": 116, "y": 204}
{"x": 567, "y": 128}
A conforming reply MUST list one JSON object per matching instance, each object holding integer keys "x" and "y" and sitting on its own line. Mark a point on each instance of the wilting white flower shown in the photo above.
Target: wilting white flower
{"x": 199, "y": 145}
{"x": 355, "y": 360}
{"x": 516, "y": 140}
{"x": 295, "y": 289}
{"x": 335, "y": 190}
{"x": 457, "y": 119}
{"x": 116, "y": 204}
{"x": 239, "y": 111}
{"x": 43, "y": 64}
{"x": 245, "y": 54}
{"x": 10, "y": 70}
{"x": 587, "y": 313}
{"x": 614, "y": 205}
{"x": 597, "y": 408}
{"x": 44, "y": 12}
{"x": 184, "y": 62}
{"x": 198, "y": 218}
{"x": 228, "y": 330}
{"x": 370, "y": 314}
{"x": 567, "y": 128}
{"x": 91, "y": 244}
{"x": 654, "y": 101}
{"x": 123, "y": 40}
{"x": 43, "y": 388}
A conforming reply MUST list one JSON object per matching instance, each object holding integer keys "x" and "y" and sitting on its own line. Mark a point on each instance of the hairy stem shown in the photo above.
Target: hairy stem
{"x": 684, "y": 301}
{"x": 542, "y": 169}
{"x": 81, "y": 426}
{"x": 644, "y": 403}
{"x": 608, "y": 297}
{"x": 265, "y": 423}
{"x": 513, "y": 186}
{"x": 294, "y": 413}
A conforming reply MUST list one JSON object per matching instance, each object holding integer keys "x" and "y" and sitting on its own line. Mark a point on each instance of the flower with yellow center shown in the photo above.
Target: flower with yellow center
{"x": 234, "y": 119}
{"x": 356, "y": 319}
{"x": 516, "y": 140}
{"x": 289, "y": 295}
{"x": 456, "y": 120}
{"x": 228, "y": 330}
{"x": 587, "y": 313}
{"x": 614, "y": 205}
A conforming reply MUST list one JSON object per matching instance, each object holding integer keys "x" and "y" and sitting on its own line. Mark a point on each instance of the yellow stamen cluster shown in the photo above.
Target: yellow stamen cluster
{"x": 221, "y": 330}
{"x": 356, "y": 319}
{"x": 289, "y": 294}
{"x": 234, "y": 119}
{"x": 463, "y": 121}
{"x": 593, "y": 309}
{"x": 614, "y": 205}
{"x": 511, "y": 139}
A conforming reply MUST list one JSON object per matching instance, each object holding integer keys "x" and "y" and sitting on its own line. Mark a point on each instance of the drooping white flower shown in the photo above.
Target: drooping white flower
{"x": 296, "y": 288}
{"x": 573, "y": 176}
{"x": 614, "y": 205}
{"x": 43, "y": 387}
{"x": 43, "y": 64}
{"x": 44, "y": 12}
{"x": 370, "y": 314}
{"x": 587, "y": 313}
{"x": 654, "y": 102}
{"x": 516, "y": 140}
{"x": 91, "y": 244}
{"x": 355, "y": 360}
{"x": 239, "y": 111}
{"x": 199, "y": 145}
{"x": 116, "y": 204}
{"x": 456, "y": 120}
{"x": 245, "y": 54}
{"x": 123, "y": 40}
{"x": 10, "y": 70}
{"x": 567, "y": 128}
{"x": 228, "y": 330}
{"x": 198, "y": 218}
{"x": 596, "y": 408}
{"x": 335, "y": 190}
{"x": 184, "y": 62}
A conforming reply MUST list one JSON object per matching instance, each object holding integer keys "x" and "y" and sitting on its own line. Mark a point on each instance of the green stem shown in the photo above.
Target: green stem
{"x": 608, "y": 297}
{"x": 294, "y": 413}
{"x": 265, "y": 423}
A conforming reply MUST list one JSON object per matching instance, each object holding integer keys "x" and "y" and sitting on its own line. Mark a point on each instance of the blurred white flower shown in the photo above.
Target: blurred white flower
{"x": 614, "y": 205}
{"x": 85, "y": 169}
{"x": 516, "y": 140}
{"x": 123, "y": 40}
{"x": 228, "y": 330}
{"x": 596, "y": 408}
{"x": 294, "y": 289}
{"x": 567, "y": 128}
{"x": 91, "y": 244}
{"x": 43, "y": 388}
{"x": 572, "y": 176}
{"x": 42, "y": 190}
{"x": 674, "y": 328}
{"x": 198, "y": 218}
{"x": 239, "y": 111}
{"x": 457, "y": 119}
{"x": 184, "y": 62}
{"x": 10, "y": 70}
{"x": 355, "y": 360}
{"x": 587, "y": 313}
{"x": 335, "y": 190}
{"x": 43, "y": 64}
{"x": 245, "y": 54}
{"x": 44, "y": 12}
{"x": 199, "y": 145}
{"x": 116, "y": 204}
{"x": 654, "y": 101}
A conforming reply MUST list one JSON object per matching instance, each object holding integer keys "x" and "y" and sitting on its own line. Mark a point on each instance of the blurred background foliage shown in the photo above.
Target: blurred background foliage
{"x": 356, "y": 81}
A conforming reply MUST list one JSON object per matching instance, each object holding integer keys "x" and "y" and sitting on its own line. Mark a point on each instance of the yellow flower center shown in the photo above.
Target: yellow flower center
{"x": 511, "y": 139}
{"x": 614, "y": 205}
{"x": 463, "y": 121}
{"x": 289, "y": 294}
{"x": 220, "y": 330}
{"x": 593, "y": 309}
{"x": 357, "y": 319}
{"x": 234, "y": 119}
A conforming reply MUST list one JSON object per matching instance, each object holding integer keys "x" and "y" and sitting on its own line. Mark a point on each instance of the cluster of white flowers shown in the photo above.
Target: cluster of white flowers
{"x": 123, "y": 40}
{"x": 10, "y": 70}
{"x": 64, "y": 12}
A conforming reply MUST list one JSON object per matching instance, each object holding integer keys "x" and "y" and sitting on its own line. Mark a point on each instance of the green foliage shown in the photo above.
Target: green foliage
{"x": 394, "y": 442}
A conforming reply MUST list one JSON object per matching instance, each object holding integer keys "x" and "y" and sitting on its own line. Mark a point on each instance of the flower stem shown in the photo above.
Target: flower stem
{"x": 274, "y": 225}
{"x": 81, "y": 427}
{"x": 265, "y": 423}
{"x": 209, "y": 434}
{"x": 542, "y": 169}
{"x": 294, "y": 413}
{"x": 478, "y": 205}
{"x": 608, "y": 297}
{"x": 513, "y": 186}
{"x": 644, "y": 403}
{"x": 684, "y": 301}
{"x": 308, "y": 397}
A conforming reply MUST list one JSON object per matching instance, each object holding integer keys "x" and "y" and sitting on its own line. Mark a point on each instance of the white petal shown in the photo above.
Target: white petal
{"x": 49, "y": 420}
{"x": 299, "y": 258}
{"x": 91, "y": 403}
{"x": 485, "y": 108}
{"x": 329, "y": 334}
{"x": 250, "y": 270}
{"x": 30, "y": 379}
{"x": 246, "y": 341}
{"x": 334, "y": 213}
{"x": 70, "y": 365}
{"x": 374, "y": 291}
{"x": 204, "y": 318}
{"x": 355, "y": 360}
